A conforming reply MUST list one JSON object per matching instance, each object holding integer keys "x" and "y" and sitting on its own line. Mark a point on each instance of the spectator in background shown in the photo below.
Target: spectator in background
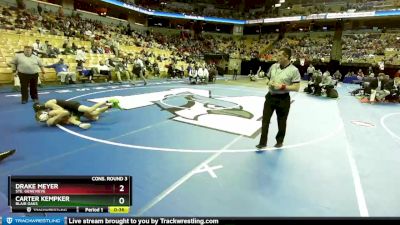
{"x": 200, "y": 74}
{"x": 86, "y": 72}
{"x": 326, "y": 84}
{"x": 62, "y": 71}
{"x": 213, "y": 74}
{"x": 60, "y": 12}
{"x": 38, "y": 48}
{"x": 203, "y": 77}
{"x": 103, "y": 69}
{"x": 192, "y": 71}
{"x": 107, "y": 49}
{"x": 156, "y": 69}
{"x": 52, "y": 52}
{"x": 395, "y": 91}
{"x": 370, "y": 70}
{"x": 80, "y": 55}
{"x": 337, "y": 75}
{"x": 310, "y": 70}
{"x": 262, "y": 74}
{"x": 68, "y": 50}
{"x": 397, "y": 74}
{"x": 122, "y": 68}
{"x": 74, "y": 47}
{"x": 44, "y": 47}
{"x": 6, "y": 12}
{"x": 350, "y": 74}
{"x": 115, "y": 47}
{"x": 88, "y": 34}
{"x": 138, "y": 69}
{"x": 111, "y": 62}
{"x": 235, "y": 70}
{"x": 252, "y": 76}
{"x": 379, "y": 88}
{"x": 96, "y": 48}
{"x": 65, "y": 44}
{"x": 172, "y": 71}
{"x": 360, "y": 74}
{"x": 39, "y": 9}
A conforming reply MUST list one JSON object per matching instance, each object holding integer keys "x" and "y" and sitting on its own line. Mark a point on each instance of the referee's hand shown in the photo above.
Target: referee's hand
{"x": 42, "y": 77}
{"x": 271, "y": 85}
{"x": 274, "y": 86}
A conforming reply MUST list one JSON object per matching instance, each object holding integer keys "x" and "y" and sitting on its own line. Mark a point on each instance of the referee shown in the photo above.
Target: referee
{"x": 282, "y": 78}
{"x": 27, "y": 66}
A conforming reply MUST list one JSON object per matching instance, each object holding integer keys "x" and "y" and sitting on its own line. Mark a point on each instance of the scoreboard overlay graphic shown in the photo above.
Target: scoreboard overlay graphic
{"x": 90, "y": 194}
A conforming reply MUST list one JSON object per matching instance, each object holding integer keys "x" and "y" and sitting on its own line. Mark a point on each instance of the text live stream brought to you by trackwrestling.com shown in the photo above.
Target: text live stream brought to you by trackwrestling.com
{"x": 35, "y": 220}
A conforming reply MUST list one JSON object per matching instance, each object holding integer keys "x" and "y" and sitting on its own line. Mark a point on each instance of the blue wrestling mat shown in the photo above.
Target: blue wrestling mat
{"x": 191, "y": 151}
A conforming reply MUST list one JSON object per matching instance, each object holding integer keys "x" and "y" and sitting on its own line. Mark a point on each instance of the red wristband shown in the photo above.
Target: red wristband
{"x": 283, "y": 87}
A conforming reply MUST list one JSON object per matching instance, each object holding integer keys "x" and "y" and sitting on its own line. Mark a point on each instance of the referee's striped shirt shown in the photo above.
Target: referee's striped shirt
{"x": 288, "y": 76}
{"x": 27, "y": 64}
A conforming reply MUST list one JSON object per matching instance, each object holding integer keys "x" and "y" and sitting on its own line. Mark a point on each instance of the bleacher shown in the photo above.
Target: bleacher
{"x": 308, "y": 47}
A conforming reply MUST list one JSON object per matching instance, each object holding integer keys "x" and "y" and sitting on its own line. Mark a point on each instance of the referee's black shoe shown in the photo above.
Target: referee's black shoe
{"x": 278, "y": 145}
{"x": 6, "y": 154}
{"x": 259, "y": 146}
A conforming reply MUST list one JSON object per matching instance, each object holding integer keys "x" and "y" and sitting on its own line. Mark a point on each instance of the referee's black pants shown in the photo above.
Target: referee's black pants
{"x": 31, "y": 81}
{"x": 281, "y": 104}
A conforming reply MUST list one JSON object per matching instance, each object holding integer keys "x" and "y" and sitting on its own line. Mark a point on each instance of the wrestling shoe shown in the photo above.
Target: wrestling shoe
{"x": 114, "y": 103}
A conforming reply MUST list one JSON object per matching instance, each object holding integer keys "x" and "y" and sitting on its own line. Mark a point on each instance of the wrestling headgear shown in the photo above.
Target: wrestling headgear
{"x": 37, "y": 107}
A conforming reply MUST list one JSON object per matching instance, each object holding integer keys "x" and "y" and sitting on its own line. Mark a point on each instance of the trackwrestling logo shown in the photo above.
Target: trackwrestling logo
{"x": 239, "y": 115}
{"x": 33, "y": 220}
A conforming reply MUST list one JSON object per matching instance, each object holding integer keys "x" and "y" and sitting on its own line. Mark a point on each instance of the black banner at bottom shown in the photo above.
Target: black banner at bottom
{"x": 219, "y": 221}
{"x": 44, "y": 220}
{"x": 143, "y": 220}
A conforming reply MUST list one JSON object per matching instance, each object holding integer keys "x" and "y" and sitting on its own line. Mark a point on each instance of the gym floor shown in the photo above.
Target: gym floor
{"x": 191, "y": 150}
